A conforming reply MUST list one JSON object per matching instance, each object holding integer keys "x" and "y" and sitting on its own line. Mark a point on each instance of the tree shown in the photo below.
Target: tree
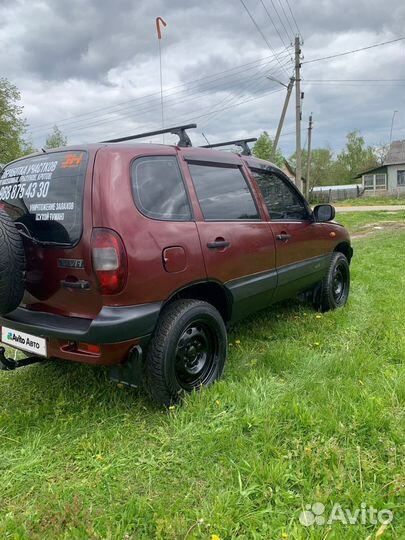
{"x": 263, "y": 149}
{"x": 12, "y": 124}
{"x": 55, "y": 139}
{"x": 322, "y": 162}
{"x": 354, "y": 158}
{"x": 381, "y": 153}
{"x": 327, "y": 170}
{"x": 321, "y": 166}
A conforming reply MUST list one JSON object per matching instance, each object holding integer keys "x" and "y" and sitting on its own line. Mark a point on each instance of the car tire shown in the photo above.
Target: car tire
{"x": 335, "y": 286}
{"x": 187, "y": 351}
{"x": 12, "y": 265}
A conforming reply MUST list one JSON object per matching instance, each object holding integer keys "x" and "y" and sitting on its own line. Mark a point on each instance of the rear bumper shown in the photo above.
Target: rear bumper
{"x": 112, "y": 325}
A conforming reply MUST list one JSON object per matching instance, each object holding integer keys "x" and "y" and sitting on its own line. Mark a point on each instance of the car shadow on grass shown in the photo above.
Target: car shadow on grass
{"x": 57, "y": 385}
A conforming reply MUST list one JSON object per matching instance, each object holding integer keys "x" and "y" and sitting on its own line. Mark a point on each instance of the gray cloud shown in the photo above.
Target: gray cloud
{"x": 87, "y": 65}
{"x": 342, "y": 16}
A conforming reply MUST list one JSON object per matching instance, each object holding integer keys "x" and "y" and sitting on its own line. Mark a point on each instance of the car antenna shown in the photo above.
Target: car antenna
{"x": 203, "y": 134}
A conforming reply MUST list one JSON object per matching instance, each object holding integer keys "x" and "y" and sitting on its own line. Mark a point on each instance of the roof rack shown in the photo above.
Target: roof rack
{"x": 180, "y": 131}
{"x": 243, "y": 143}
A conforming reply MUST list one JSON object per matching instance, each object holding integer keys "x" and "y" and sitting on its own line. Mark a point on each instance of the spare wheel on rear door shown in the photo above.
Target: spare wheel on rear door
{"x": 12, "y": 265}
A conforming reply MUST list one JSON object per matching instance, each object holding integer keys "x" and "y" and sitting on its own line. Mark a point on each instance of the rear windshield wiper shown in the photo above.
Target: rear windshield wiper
{"x": 27, "y": 234}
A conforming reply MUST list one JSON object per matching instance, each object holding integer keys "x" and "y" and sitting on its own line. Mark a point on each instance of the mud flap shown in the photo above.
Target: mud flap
{"x": 131, "y": 371}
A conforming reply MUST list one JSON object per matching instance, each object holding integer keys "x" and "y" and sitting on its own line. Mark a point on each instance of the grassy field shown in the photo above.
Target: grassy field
{"x": 311, "y": 410}
{"x": 365, "y": 222}
{"x": 371, "y": 201}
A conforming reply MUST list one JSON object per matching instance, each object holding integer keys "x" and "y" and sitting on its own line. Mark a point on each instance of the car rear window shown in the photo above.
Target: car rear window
{"x": 159, "y": 190}
{"x": 45, "y": 195}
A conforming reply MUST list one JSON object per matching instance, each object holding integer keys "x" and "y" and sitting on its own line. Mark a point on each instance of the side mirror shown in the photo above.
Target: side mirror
{"x": 324, "y": 212}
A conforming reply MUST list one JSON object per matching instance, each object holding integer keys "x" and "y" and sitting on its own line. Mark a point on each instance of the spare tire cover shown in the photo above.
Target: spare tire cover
{"x": 12, "y": 265}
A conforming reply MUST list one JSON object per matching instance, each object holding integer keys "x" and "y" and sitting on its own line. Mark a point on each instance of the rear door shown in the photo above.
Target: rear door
{"x": 301, "y": 245}
{"x": 237, "y": 245}
{"x": 49, "y": 198}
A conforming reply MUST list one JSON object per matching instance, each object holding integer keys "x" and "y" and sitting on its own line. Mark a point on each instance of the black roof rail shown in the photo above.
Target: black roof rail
{"x": 243, "y": 143}
{"x": 180, "y": 131}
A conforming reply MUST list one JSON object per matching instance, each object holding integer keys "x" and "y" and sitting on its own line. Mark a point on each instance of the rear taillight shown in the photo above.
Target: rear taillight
{"x": 109, "y": 260}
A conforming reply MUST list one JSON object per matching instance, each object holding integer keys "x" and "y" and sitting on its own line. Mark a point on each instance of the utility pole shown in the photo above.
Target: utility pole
{"x": 308, "y": 157}
{"x": 298, "y": 175}
{"x": 283, "y": 112}
{"x": 392, "y": 125}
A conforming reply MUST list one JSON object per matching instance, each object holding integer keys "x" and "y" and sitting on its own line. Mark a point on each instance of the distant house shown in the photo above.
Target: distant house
{"x": 388, "y": 178}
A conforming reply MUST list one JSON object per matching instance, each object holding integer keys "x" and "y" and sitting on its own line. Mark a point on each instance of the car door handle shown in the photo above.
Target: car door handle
{"x": 284, "y": 237}
{"x": 218, "y": 244}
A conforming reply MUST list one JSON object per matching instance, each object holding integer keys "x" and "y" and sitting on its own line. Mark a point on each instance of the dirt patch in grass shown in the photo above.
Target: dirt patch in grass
{"x": 369, "y": 229}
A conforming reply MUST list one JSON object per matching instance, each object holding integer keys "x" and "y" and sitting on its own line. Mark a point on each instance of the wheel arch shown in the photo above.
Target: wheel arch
{"x": 209, "y": 291}
{"x": 346, "y": 249}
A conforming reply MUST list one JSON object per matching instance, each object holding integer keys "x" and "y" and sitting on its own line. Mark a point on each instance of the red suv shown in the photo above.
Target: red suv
{"x": 137, "y": 256}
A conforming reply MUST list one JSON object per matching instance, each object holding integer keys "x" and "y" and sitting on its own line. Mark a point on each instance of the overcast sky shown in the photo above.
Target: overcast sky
{"x": 92, "y": 67}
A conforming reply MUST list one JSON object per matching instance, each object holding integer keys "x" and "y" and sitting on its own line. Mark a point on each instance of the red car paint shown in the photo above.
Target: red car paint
{"x": 165, "y": 257}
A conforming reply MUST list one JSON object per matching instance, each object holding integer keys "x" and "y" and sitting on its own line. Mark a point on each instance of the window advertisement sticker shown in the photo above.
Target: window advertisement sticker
{"x": 45, "y": 193}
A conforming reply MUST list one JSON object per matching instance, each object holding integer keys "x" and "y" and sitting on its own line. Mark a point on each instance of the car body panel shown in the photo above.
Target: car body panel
{"x": 165, "y": 258}
{"x": 145, "y": 239}
{"x": 47, "y": 267}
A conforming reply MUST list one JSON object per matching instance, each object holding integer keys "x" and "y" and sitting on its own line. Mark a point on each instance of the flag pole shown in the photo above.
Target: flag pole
{"x": 159, "y": 21}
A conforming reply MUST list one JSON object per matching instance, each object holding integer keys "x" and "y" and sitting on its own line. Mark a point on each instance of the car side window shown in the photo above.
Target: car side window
{"x": 282, "y": 202}
{"x": 159, "y": 190}
{"x": 223, "y": 193}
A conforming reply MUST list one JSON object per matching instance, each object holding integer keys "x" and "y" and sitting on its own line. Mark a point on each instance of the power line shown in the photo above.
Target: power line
{"x": 286, "y": 18}
{"x": 353, "y": 51}
{"x": 253, "y": 86}
{"x": 231, "y": 102}
{"x": 240, "y": 103}
{"x": 141, "y": 112}
{"x": 337, "y": 85}
{"x": 258, "y": 28}
{"x": 292, "y": 15}
{"x": 354, "y": 80}
{"x": 287, "y": 134}
{"x": 272, "y": 22}
{"x": 189, "y": 119}
{"x": 173, "y": 103}
{"x": 250, "y": 88}
{"x": 147, "y": 105}
{"x": 358, "y": 85}
{"x": 214, "y": 77}
{"x": 291, "y": 38}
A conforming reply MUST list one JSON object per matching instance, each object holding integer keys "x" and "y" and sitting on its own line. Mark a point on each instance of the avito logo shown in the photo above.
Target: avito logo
{"x": 14, "y": 337}
{"x": 28, "y": 342}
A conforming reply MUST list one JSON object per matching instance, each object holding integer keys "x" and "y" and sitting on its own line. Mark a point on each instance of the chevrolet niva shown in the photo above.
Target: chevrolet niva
{"x": 137, "y": 256}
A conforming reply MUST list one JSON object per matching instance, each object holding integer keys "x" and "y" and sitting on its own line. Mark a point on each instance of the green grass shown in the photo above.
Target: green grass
{"x": 371, "y": 201}
{"x": 310, "y": 409}
{"x": 358, "y": 222}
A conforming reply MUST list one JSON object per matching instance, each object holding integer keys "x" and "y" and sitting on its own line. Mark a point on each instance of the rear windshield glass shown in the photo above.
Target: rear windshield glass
{"x": 45, "y": 195}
